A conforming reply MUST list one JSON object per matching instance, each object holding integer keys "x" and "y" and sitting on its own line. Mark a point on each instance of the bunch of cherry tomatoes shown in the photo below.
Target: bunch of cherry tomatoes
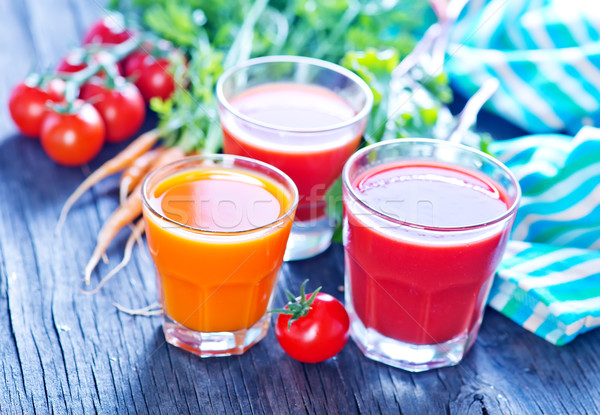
{"x": 97, "y": 94}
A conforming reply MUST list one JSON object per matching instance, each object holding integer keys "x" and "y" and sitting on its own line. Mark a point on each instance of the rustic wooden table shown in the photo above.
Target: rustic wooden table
{"x": 64, "y": 352}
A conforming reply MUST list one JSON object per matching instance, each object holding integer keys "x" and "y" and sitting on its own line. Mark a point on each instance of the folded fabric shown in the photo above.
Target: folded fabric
{"x": 546, "y": 55}
{"x": 549, "y": 280}
{"x": 551, "y": 291}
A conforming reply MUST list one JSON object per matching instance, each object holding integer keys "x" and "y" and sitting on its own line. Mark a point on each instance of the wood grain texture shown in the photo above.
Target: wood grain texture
{"x": 64, "y": 352}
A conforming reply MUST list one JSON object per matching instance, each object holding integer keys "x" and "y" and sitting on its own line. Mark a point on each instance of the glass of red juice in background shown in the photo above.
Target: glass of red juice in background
{"x": 304, "y": 116}
{"x": 426, "y": 223}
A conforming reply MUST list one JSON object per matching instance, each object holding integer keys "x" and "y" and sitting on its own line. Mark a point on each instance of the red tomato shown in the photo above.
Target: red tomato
{"x": 75, "y": 61}
{"x": 110, "y": 30}
{"x": 151, "y": 75}
{"x": 73, "y": 138}
{"x": 56, "y": 89}
{"x": 122, "y": 108}
{"x": 317, "y": 336}
{"x": 28, "y": 105}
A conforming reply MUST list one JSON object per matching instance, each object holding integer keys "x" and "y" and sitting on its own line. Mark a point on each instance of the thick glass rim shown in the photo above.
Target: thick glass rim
{"x": 221, "y": 158}
{"x": 407, "y": 141}
{"x": 363, "y": 113}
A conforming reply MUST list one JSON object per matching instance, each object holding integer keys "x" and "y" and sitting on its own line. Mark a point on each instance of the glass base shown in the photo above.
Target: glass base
{"x": 309, "y": 238}
{"x": 410, "y": 357}
{"x": 211, "y": 344}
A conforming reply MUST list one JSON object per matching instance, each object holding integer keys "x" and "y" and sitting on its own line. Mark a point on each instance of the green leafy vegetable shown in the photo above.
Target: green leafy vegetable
{"x": 368, "y": 37}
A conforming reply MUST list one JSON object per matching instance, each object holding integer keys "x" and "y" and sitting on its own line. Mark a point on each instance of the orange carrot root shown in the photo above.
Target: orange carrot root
{"x": 125, "y": 214}
{"x": 133, "y": 174}
{"x": 153, "y": 309}
{"x": 124, "y": 187}
{"x": 136, "y": 234}
{"x": 137, "y": 147}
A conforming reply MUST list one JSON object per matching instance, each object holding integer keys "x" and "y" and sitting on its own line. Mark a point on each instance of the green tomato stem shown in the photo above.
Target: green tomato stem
{"x": 297, "y": 307}
{"x": 114, "y": 55}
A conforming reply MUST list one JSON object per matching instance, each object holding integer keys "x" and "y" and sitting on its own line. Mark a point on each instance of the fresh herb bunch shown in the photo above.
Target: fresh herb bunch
{"x": 323, "y": 29}
{"x": 367, "y": 37}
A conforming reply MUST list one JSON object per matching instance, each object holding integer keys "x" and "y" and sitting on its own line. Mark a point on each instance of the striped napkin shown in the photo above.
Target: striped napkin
{"x": 549, "y": 279}
{"x": 545, "y": 53}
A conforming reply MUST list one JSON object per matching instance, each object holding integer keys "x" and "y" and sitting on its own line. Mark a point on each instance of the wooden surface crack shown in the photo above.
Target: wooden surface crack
{"x": 43, "y": 373}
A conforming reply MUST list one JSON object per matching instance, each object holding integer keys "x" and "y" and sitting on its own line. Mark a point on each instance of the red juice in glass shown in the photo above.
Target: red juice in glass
{"x": 309, "y": 161}
{"x": 303, "y": 116}
{"x": 424, "y": 230}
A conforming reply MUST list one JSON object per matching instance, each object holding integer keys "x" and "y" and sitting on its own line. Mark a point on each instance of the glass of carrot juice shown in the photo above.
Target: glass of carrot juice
{"x": 304, "y": 116}
{"x": 426, "y": 223}
{"x": 217, "y": 228}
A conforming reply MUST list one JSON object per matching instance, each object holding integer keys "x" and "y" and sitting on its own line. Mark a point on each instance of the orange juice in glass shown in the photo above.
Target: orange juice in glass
{"x": 217, "y": 229}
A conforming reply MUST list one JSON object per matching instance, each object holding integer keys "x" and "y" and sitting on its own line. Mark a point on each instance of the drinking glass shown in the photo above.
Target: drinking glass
{"x": 304, "y": 116}
{"x": 422, "y": 243}
{"x": 216, "y": 282}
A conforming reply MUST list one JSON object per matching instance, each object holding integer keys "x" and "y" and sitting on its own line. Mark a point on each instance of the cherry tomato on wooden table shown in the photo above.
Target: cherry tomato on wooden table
{"x": 312, "y": 328}
{"x": 73, "y": 137}
{"x": 152, "y": 75}
{"x": 110, "y": 30}
{"x": 28, "y": 104}
{"x": 121, "y": 106}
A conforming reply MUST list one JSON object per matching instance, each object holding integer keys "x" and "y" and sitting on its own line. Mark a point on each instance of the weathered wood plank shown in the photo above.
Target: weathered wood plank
{"x": 52, "y": 29}
{"x": 14, "y": 64}
{"x": 23, "y": 266}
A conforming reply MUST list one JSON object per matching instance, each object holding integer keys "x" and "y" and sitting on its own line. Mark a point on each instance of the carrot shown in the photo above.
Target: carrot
{"x": 154, "y": 309}
{"x": 125, "y": 214}
{"x": 137, "y": 147}
{"x": 136, "y": 233}
{"x": 132, "y": 175}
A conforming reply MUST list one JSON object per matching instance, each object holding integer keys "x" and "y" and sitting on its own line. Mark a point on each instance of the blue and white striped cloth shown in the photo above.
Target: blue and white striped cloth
{"x": 549, "y": 280}
{"x": 545, "y": 53}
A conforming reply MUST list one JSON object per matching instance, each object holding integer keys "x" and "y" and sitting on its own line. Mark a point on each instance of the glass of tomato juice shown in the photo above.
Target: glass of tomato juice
{"x": 217, "y": 228}
{"x": 426, "y": 223}
{"x": 304, "y": 116}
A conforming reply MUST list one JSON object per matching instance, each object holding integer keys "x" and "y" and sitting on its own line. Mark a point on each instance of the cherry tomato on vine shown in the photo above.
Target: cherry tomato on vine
{"x": 76, "y": 60}
{"x": 122, "y": 107}
{"x": 56, "y": 89}
{"x": 28, "y": 105}
{"x": 312, "y": 328}
{"x": 75, "y": 137}
{"x": 151, "y": 74}
{"x": 110, "y": 30}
